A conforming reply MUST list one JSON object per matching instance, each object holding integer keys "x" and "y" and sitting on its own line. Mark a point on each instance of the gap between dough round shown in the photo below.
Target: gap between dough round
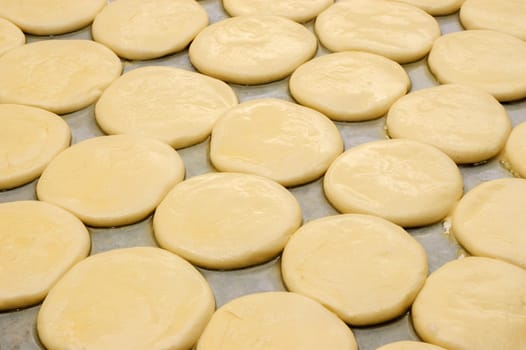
{"x": 515, "y": 150}
{"x": 10, "y": 36}
{"x": 410, "y": 345}
{"x": 436, "y": 8}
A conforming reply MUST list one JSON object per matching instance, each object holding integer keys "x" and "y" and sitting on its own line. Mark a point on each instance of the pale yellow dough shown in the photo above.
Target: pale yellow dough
{"x": 277, "y": 321}
{"x": 407, "y": 182}
{"x": 466, "y": 123}
{"x": 252, "y": 49}
{"x": 436, "y": 8}
{"x": 136, "y": 298}
{"x": 283, "y": 141}
{"x": 29, "y": 139}
{"x": 410, "y": 345}
{"x": 226, "y": 220}
{"x": 146, "y": 29}
{"x": 473, "y": 303}
{"x": 61, "y": 76}
{"x": 39, "y": 242}
{"x": 515, "y": 150}
{"x": 47, "y": 17}
{"x": 489, "y": 220}
{"x": 398, "y": 31}
{"x": 111, "y": 180}
{"x": 10, "y": 36}
{"x": 364, "y": 268}
{"x": 173, "y": 105}
{"x": 486, "y": 59}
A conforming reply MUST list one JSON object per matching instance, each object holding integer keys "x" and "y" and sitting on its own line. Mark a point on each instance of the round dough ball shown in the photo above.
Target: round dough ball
{"x": 473, "y": 303}
{"x": 349, "y": 86}
{"x": 226, "y": 220}
{"x": 485, "y": 59}
{"x": 29, "y": 139}
{"x": 283, "y": 141}
{"x": 173, "y": 105}
{"x": 252, "y": 49}
{"x": 38, "y": 243}
{"x": 409, "y": 345}
{"x": 111, "y": 180}
{"x": 406, "y": 182}
{"x": 61, "y": 76}
{"x": 515, "y": 150}
{"x": 279, "y": 320}
{"x": 489, "y": 220}
{"x": 134, "y": 298}
{"x": 466, "y": 123}
{"x": 364, "y": 268}
{"x": 10, "y": 36}
{"x": 398, "y": 31}
{"x": 146, "y": 29}
{"x": 436, "y": 8}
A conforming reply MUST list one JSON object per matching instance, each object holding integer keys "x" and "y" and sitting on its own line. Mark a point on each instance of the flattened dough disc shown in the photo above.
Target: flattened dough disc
{"x": 10, "y": 36}
{"x": 409, "y": 345}
{"x": 436, "y": 8}
{"x": 515, "y": 150}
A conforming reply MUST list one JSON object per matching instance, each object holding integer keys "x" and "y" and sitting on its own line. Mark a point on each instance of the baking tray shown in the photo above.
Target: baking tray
{"x": 17, "y": 328}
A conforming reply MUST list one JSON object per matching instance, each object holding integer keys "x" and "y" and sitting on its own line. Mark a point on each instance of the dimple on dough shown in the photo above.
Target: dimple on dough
{"x": 364, "y": 268}
{"x": 409, "y": 345}
{"x": 466, "y": 123}
{"x": 398, "y": 31}
{"x": 407, "y": 182}
{"x": 252, "y": 49}
{"x": 515, "y": 150}
{"x": 48, "y": 17}
{"x": 146, "y": 29}
{"x": 29, "y": 139}
{"x": 486, "y": 59}
{"x": 473, "y": 303}
{"x": 279, "y": 321}
{"x": 39, "y": 242}
{"x": 10, "y": 36}
{"x": 61, "y": 76}
{"x": 349, "y": 86}
{"x": 436, "y": 8}
{"x": 489, "y": 220}
{"x": 173, "y": 105}
{"x": 111, "y": 180}
{"x": 133, "y": 298}
{"x": 283, "y": 141}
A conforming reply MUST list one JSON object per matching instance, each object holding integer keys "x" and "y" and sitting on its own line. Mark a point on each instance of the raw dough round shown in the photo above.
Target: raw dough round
{"x": 29, "y": 139}
{"x": 10, "y": 36}
{"x": 252, "y": 49}
{"x": 409, "y": 345}
{"x": 173, "y": 105}
{"x": 508, "y": 16}
{"x": 48, "y": 17}
{"x": 349, "y": 86}
{"x": 61, "y": 76}
{"x": 283, "y": 141}
{"x": 473, "y": 303}
{"x": 364, "y": 268}
{"x": 486, "y": 59}
{"x": 38, "y": 243}
{"x": 398, "y": 31}
{"x": 407, "y": 182}
{"x": 489, "y": 220}
{"x": 296, "y": 10}
{"x": 436, "y": 8}
{"x": 278, "y": 321}
{"x": 146, "y": 29}
{"x": 515, "y": 150}
{"x": 466, "y": 123}
{"x": 111, "y": 180}
{"x": 134, "y": 298}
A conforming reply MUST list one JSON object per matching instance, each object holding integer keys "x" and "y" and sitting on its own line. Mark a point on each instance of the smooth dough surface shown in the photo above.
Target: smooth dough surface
{"x": 275, "y": 320}
{"x": 515, "y": 150}
{"x": 364, "y": 268}
{"x": 29, "y": 139}
{"x": 436, "y": 8}
{"x": 466, "y": 123}
{"x": 508, "y": 16}
{"x": 10, "y": 36}
{"x": 489, "y": 220}
{"x": 485, "y": 59}
{"x": 226, "y": 220}
{"x": 410, "y": 345}
{"x": 48, "y": 17}
{"x": 111, "y": 180}
{"x": 349, "y": 86}
{"x": 173, "y": 105}
{"x": 38, "y": 243}
{"x": 398, "y": 31}
{"x": 473, "y": 303}
{"x": 407, "y": 182}
{"x": 252, "y": 49}
{"x": 133, "y": 298}
{"x": 146, "y": 29}
{"x": 283, "y": 141}
{"x": 61, "y": 76}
